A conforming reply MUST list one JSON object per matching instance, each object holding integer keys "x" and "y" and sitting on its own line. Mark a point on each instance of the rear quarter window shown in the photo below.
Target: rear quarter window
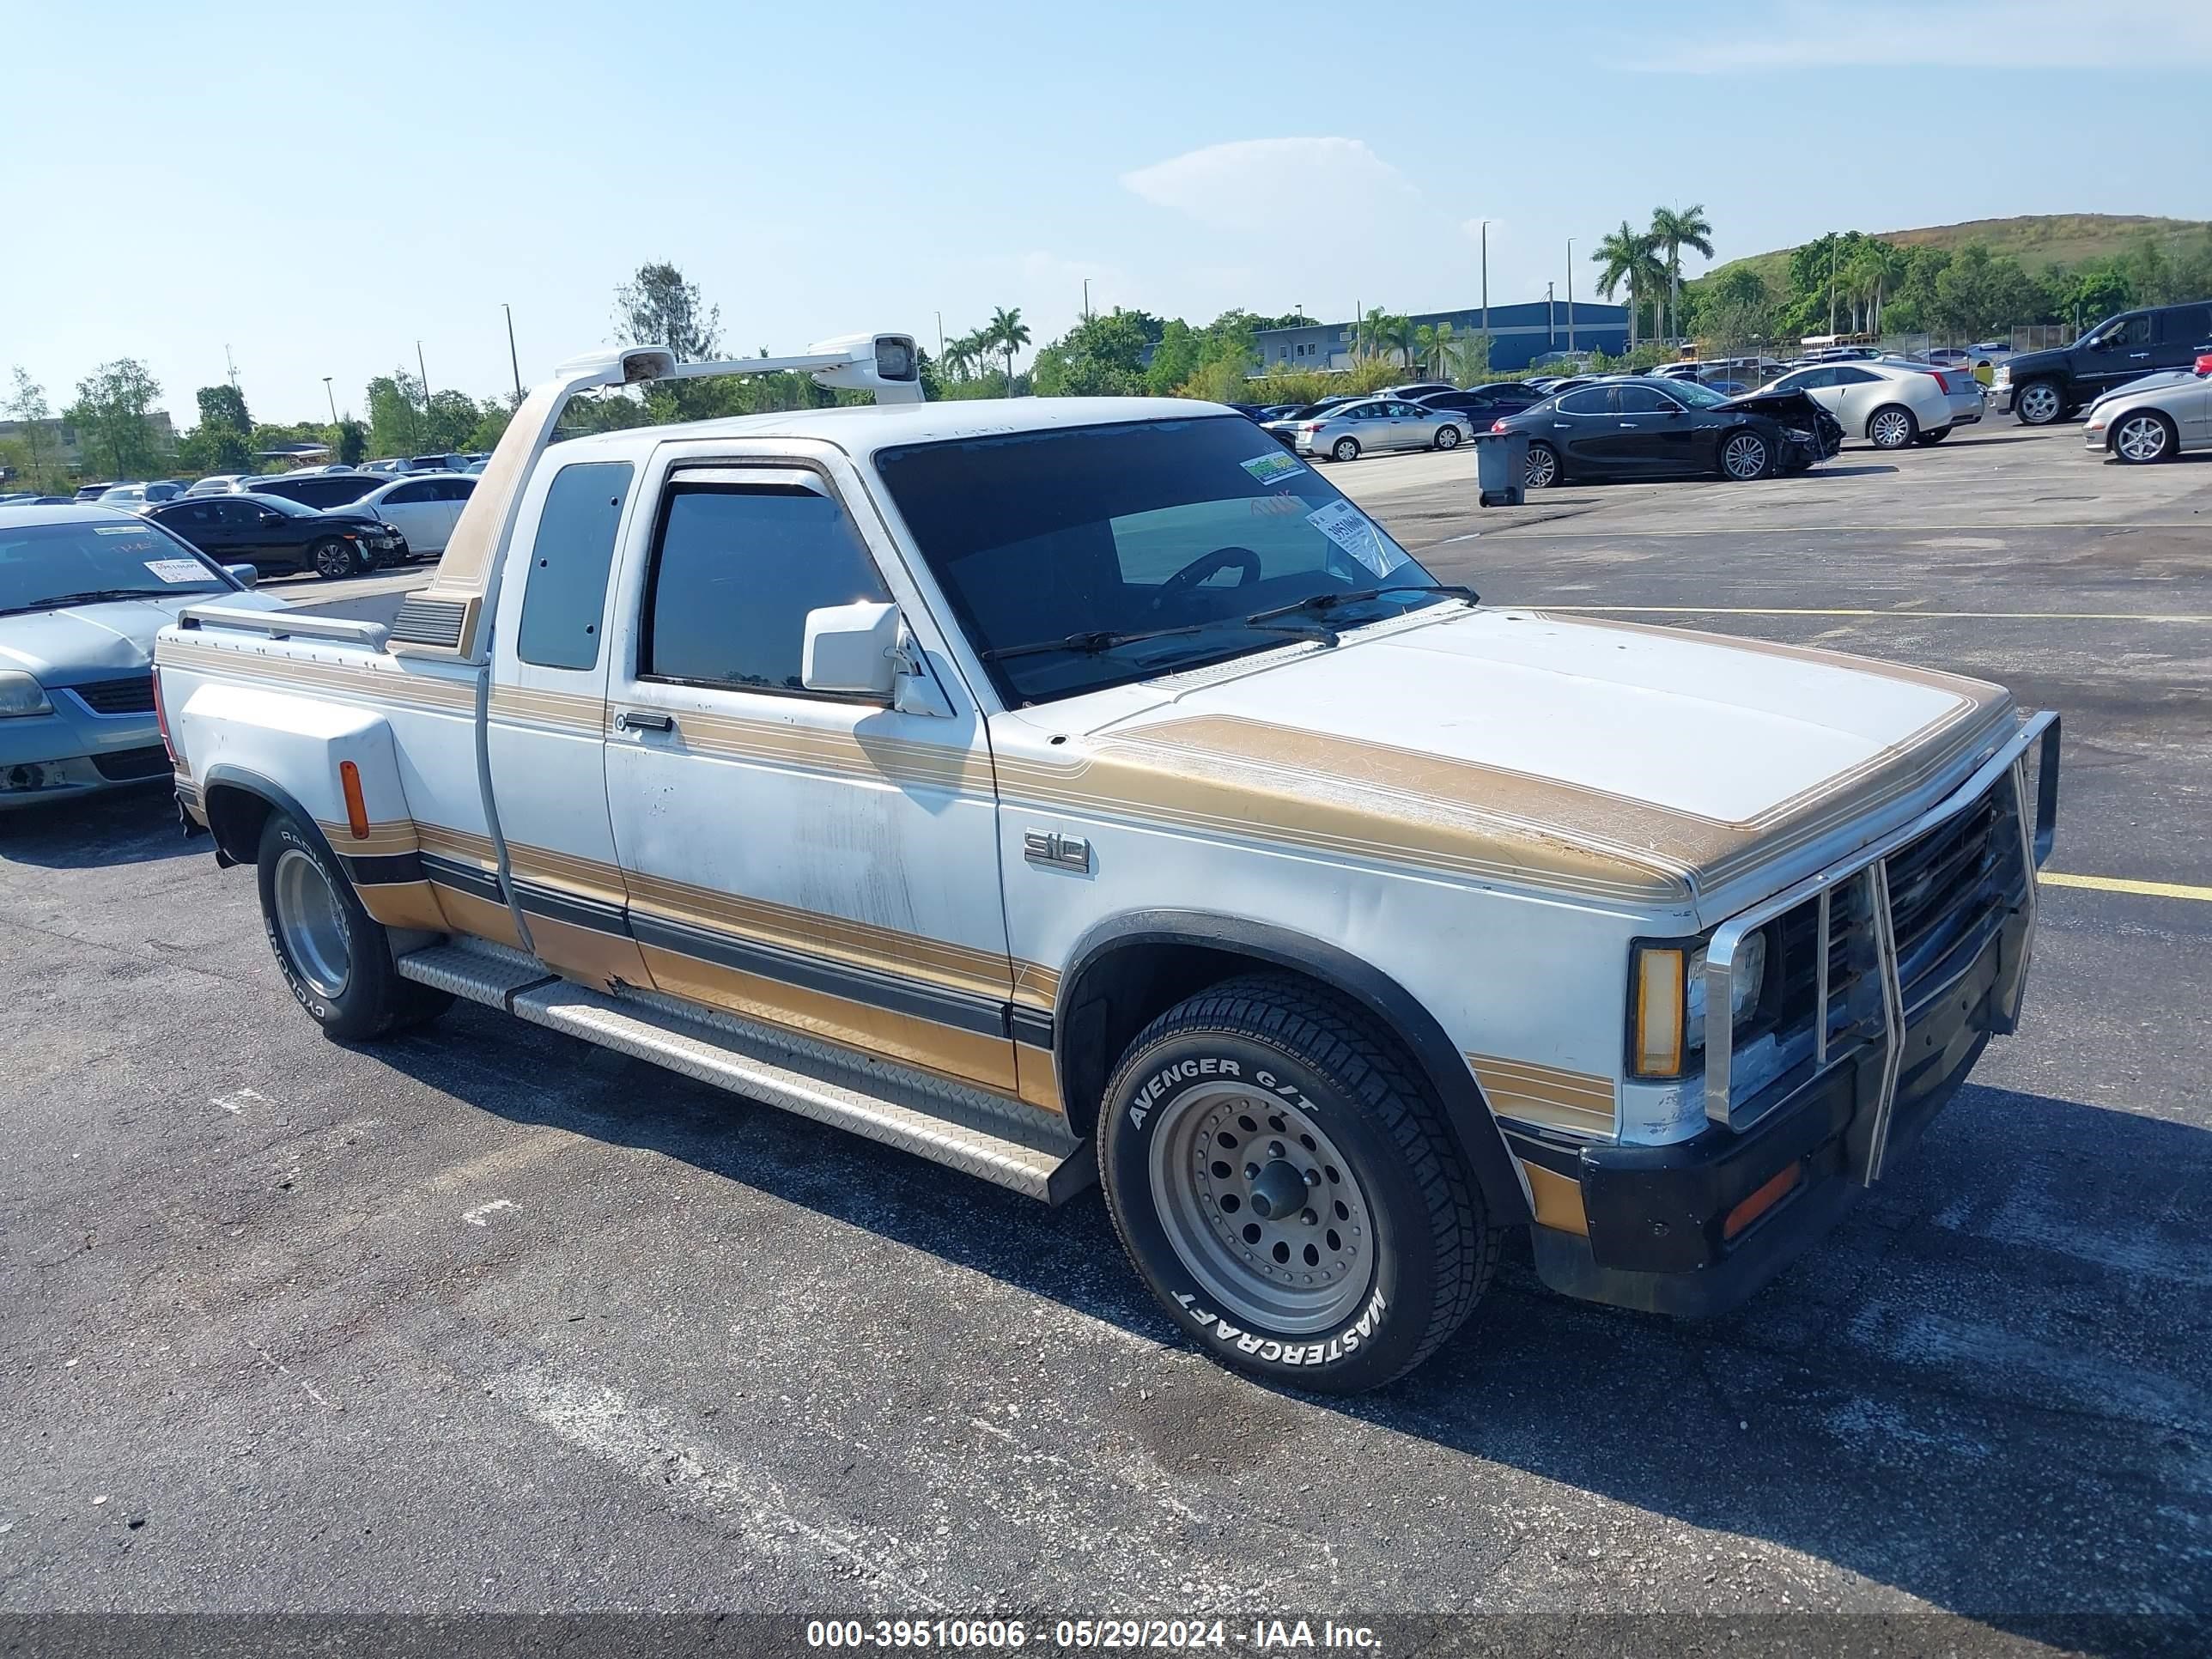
{"x": 570, "y": 559}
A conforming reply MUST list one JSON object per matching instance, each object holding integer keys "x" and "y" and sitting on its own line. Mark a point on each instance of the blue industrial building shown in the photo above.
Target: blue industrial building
{"x": 1519, "y": 334}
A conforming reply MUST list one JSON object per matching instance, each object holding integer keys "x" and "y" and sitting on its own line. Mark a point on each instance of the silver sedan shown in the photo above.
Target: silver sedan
{"x": 1378, "y": 424}
{"x": 2153, "y": 419}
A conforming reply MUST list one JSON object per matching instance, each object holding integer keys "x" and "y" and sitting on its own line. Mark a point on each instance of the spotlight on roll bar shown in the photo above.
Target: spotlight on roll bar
{"x": 885, "y": 364}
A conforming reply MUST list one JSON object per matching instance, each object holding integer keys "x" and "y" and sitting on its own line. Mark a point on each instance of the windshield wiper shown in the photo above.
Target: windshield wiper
{"x": 1091, "y": 645}
{"x": 91, "y": 596}
{"x": 1322, "y": 602}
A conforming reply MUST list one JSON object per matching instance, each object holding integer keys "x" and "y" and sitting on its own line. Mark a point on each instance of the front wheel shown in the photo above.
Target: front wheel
{"x": 1745, "y": 456}
{"x": 1543, "y": 469}
{"x": 1447, "y": 437}
{"x": 1286, "y": 1191}
{"x": 2038, "y": 403}
{"x": 336, "y": 960}
{"x": 1891, "y": 428}
{"x": 1345, "y": 449}
{"x": 333, "y": 558}
{"x": 2143, "y": 438}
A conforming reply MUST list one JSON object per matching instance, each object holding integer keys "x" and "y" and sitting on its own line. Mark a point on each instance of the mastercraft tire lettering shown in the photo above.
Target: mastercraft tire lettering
{"x": 1287, "y": 1191}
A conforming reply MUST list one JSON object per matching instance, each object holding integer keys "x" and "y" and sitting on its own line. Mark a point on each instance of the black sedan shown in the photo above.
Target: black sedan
{"x": 269, "y": 532}
{"x": 1638, "y": 426}
{"x": 1485, "y": 403}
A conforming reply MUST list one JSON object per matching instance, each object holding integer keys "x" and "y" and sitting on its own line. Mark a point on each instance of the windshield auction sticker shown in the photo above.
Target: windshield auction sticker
{"x": 178, "y": 570}
{"x": 1274, "y": 466}
{"x": 1357, "y": 534}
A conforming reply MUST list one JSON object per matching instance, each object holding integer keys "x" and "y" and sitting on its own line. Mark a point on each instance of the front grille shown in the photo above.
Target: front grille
{"x": 133, "y": 694}
{"x": 129, "y": 765}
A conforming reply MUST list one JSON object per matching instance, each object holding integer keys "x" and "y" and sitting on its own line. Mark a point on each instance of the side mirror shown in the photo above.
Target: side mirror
{"x": 2102, "y": 342}
{"x": 269, "y": 515}
{"x": 245, "y": 574}
{"x": 849, "y": 650}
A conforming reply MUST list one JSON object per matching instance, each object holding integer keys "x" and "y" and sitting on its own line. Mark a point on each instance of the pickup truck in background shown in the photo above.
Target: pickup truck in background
{"x": 1066, "y": 787}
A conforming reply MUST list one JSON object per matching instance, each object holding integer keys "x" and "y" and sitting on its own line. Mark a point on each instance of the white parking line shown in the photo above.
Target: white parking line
{"x": 481, "y": 1216}
{"x": 236, "y": 1101}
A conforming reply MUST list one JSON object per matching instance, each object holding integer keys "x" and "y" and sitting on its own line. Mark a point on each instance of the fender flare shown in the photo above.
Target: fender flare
{"x": 224, "y": 776}
{"x": 1480, "y": 1139}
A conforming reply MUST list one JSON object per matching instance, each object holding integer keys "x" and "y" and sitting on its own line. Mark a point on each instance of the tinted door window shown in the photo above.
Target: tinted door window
{"x": 411, "y": 495}
{"x": 1848, "y": 377}
{"x": 1644, "y": 400}
{"x": 1590, "y": 400}
{"x": 569, "y": 564}
{"x": 2186, "y": 325}
{"x": 736, "y": 572}
{"x": 456, "y": 489}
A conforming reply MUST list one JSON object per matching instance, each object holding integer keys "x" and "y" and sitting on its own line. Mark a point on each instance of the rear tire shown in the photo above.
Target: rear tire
{"x": 1345, "y": 449}
{"x": 1934, "y": 437}
{"x": 1285, "y": 1188}
{"x": 336, "y": 960}
{"x": 2038, "y": 403}
{"x": 1543, "y": 470}
{"x": 2144, "y": 438}
{"x": 1892, "y": 426}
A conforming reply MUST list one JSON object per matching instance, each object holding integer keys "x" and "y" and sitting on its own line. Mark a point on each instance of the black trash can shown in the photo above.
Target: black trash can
{"x": 1501, "y": 463}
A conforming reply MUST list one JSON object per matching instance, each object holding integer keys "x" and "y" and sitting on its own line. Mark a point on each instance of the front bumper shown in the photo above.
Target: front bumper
{"x": 1655, "y": 1233}
{"x": 46, "y": 758}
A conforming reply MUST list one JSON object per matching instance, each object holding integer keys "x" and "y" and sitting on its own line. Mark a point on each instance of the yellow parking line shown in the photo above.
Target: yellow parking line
{"x": 2122, "y": 884}
{"x": 1896, "y": 615}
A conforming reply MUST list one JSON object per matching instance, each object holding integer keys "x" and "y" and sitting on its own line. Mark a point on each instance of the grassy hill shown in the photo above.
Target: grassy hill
{"x": 2036, "y": 240}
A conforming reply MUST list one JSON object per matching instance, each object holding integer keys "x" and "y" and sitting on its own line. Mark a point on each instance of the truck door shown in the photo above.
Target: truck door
{"x": 825, "y": 864}
{"x": 545, "y": 729}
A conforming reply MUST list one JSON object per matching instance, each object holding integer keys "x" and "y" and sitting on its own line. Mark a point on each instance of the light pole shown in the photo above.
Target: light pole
{"x": 333, "y": 397}
{"x": 1570, "y": 293}
{"x": 1485, "y": 277}
{"x": 1551, "y": 317}
{"x": 1086, "y": 299}
{"x": 424, "y": 374}
{"x": 514, "y": 362}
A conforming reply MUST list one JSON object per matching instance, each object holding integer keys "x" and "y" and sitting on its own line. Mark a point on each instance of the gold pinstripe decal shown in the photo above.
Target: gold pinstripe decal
{"x": 1545, "y": 1094}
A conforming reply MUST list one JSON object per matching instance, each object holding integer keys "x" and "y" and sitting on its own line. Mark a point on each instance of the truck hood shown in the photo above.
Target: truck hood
{"x": 1609, "y": 759}
{"x": 88, "y": 642}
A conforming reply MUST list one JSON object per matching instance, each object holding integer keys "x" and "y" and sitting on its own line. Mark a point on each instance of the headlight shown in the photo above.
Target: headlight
{"x": 21, "y": 694}
{"x": 1797, "y": 434}
{"x": 2004, "y": 375}
{"x": 1666, "y": 1003}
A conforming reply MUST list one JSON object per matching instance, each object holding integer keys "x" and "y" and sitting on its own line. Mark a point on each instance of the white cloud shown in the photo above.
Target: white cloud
{"x": 1254, "y": 183}
{"x": 1970, "y": 36}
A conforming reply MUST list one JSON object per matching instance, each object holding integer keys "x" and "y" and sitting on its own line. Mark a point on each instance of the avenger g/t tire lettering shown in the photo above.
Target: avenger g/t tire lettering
{"x": 336, "y": 958}
{"x": 1287, "y": 1190}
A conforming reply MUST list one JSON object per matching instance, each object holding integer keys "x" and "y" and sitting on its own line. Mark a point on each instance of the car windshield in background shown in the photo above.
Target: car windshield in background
{"x": 1698, "y": 396}
{"x": 46, "y": 565}
{"x": 1085, "y": 534}
{"x": 282, "y": 504}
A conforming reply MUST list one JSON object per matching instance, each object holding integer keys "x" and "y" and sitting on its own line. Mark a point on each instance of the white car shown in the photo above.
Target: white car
{"x": 1887, "y": 404}
{"x": 137, "y": 497}
{"x": 424, "y": 508}
{"x": 220, "y": 483}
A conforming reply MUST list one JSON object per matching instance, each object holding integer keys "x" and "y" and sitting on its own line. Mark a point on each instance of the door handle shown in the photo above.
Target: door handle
{"x": 2137, "y": 356}
{"x": 635, "y": 719}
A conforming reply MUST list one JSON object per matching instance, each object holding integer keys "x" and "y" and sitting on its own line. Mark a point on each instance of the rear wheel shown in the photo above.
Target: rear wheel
{"x": 2143, "y": 437}
{"x": 336, "y": 958}
{"x": 333, "y": 557}
{"x": 1745, "y": 456}
{"x": 1543, "y": 467}
{"x": 1283, "y": 1185}
{"x": 1934, "y": 437}
{"x": 2038, "y": 403}
{"x": 1447, "y": 437}
{"x": 1892, "y": 426}
{"x": 1345, "y": 449}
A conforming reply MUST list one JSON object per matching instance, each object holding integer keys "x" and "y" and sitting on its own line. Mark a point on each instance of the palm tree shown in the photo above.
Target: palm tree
{"x": 1370, "y": 334}
{"x": 1627, "y": 257}
{"x": 1400, "y": 335}
{"x": 1674, "y": 229}
{"x": 1434, "y": 348}
{"x": 1009, "y": 333}
{"x": 1467, "y": 359}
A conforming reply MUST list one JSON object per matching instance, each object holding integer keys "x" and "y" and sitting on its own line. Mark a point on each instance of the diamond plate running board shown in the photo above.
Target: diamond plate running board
{"x": 894, "y": 1107}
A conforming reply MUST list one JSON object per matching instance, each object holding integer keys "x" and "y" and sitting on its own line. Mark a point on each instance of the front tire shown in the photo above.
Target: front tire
{"x": 336, "y": 958}
{"x": 1447, "y": 437}
{"x": 1892, "y": 426}
{"x": 1285, "y": 1189}
{"x": 1745, "y": 456}
{"x": 1345, "y": 449}
{"x": 2038, "y": 403}
{"x": 2143, "y": 438}
{"x": 332, "y": 559}
{"x": 1543, "y": 469}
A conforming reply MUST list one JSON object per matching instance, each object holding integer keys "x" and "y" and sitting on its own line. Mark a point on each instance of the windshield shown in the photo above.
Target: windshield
{"x": 1195, "y": 526}
{"x": 43, "y": 565}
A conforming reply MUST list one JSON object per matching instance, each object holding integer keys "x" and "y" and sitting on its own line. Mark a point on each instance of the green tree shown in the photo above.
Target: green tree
{"x": 27, "y": 402}
{"x": 224, "y": 405}
{"x": 1674, "y": 229}
{"x": 395, "y": 415}
{"x": 1629, "y": 259}
{"x": 1736, "y": 309}
{"x": 349, "y": 442}
{"x": 1467, "y": 359}
{"x": 1008, "y": 333}
{"x": 1175, "y": 358}
{"x": 1100, "y": 357}
{"x": 1980, "y": 292}
{"x": 110, "y": 414}
{"x": 657, "y": 307}
{"x": 222, "y": 440}
{"x": 450, "y": 420}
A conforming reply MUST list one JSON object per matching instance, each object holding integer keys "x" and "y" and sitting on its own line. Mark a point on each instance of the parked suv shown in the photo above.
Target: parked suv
{"x": 2043, "y": 386}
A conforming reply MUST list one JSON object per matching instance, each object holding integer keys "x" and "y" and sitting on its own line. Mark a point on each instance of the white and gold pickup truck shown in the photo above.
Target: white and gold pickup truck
{"x": 1067, "y": 787}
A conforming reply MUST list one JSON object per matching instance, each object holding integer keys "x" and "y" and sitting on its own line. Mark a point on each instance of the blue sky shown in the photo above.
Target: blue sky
{"x": 320, "y": 189}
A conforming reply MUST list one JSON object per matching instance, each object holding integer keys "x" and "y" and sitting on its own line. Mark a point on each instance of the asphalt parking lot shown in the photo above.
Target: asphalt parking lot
{"x": 484, "y": 1319}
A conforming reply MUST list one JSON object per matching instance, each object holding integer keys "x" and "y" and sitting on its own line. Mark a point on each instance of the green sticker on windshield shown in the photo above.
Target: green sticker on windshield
{"x": 1274, "y": 466}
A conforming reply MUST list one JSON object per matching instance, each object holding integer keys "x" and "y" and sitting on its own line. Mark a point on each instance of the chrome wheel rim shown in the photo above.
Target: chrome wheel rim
{"x": 1449, "y": 438}
{"x": 1345, "y": 449}
{"x": 1262, "y": 1208}
{"x": 332, "y": 559}
{"x": 1543, "y": 467}
{"x": 1891, "y": 431}
{"x": 308, "y": 922}
{"x": 1745, "y": 456}
{"x": 2038, "y": 404}
{"x": 2142, "y": 438}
